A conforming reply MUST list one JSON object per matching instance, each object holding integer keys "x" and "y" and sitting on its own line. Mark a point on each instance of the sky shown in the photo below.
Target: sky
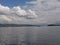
{"x": 29, "y": 11}
{"x": 12, "y": 3}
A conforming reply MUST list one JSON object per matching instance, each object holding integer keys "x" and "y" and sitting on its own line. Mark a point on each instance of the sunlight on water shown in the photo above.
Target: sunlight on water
{"x": 30, "y": 35}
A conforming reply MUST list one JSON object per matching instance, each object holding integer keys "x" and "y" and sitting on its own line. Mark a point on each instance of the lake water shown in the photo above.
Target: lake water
{"x": 30, "y": 35}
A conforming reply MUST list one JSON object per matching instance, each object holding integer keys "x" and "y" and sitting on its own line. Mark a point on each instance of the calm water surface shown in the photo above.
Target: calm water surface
{"x": 30, "y": 35}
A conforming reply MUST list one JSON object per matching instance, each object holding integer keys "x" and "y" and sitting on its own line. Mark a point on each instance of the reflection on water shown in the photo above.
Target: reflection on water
{"x": 30, "y": 35}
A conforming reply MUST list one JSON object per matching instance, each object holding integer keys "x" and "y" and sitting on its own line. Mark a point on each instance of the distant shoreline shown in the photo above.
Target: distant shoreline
{"x": 17, "y": 25}
{"x": 24, "y": 25}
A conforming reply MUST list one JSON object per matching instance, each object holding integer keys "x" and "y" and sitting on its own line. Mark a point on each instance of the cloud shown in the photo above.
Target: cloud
{"x": 31, "y": 14}
{"x": 4, "y": 9}
{"x": 16, "y": 14}
{"x": 19, "y": 11}
{"x": 48, "y": 11}
{"x": 31, "y": 2}
{"x": 40, "y": 11}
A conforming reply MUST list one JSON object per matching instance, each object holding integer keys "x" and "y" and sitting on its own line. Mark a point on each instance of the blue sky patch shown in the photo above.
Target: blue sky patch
{"x": 12, "y": 3}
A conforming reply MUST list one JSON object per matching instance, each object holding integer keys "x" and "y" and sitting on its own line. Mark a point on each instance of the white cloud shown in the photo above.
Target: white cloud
{"x": 31, "y": 14}
{"x": 19, "y": 11}
{"x": 4, "y": 9}
{"x": 48, "y": 11}
{"x": 42, "y": 11}
{"x": 3, "y": 17}
{"x": 16, "y": 14}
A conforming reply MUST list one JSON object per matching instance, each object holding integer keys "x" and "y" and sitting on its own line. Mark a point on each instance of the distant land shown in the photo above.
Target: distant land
{"x": 26, "y": 25}
{"x": 17, "y": 25}
{"x": 54, "y": 25}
